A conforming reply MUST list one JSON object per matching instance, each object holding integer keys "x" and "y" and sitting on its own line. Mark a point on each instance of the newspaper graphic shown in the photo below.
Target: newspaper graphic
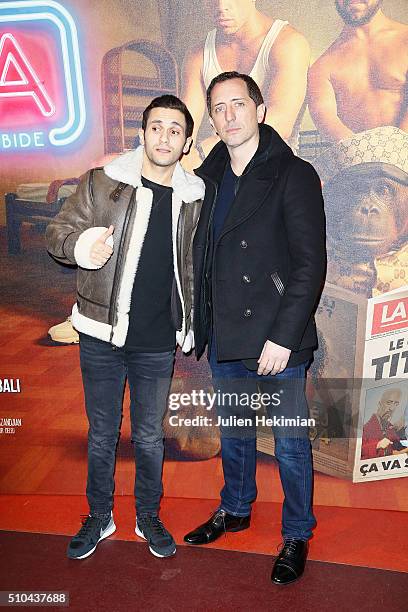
{"x": 362, "y": 362}
{"x": 382, "y": 445}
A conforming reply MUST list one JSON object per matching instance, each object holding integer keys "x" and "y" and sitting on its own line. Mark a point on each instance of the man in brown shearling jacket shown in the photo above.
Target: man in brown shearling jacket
{"x": 129, "y": 228}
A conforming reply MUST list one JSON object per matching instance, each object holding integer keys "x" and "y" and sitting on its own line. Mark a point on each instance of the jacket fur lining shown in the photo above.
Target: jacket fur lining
{"x": 127, "y": 168}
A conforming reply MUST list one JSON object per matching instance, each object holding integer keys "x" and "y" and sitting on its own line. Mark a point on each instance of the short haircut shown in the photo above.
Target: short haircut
{"x": 253, "y": 90}
{"x": 169, "y": 101}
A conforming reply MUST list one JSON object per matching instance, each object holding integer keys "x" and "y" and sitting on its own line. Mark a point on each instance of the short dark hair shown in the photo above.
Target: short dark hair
{"x": 253, "y": 90}
{"x": 169, "y": 101}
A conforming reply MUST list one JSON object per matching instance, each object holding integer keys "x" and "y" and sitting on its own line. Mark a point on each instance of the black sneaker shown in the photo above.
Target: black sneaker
{"x": 93, "y": 530}
{"x": 160, "y": 541}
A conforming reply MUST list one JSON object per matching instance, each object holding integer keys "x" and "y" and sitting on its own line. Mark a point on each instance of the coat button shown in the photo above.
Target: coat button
{"x": 243, "y": 244}
{"x": 248, "y": 312}
{"x": 246, "y": 278}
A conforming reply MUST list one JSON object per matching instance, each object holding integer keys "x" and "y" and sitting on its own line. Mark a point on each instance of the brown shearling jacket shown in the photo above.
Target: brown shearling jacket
{"x": 114, "y": 195}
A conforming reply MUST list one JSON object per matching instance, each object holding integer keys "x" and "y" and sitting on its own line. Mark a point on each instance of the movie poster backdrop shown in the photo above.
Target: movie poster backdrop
{"x": 74, "y": 79}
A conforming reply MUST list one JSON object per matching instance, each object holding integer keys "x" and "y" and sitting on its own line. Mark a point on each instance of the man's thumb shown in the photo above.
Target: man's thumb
{"x": 107, "y": 233}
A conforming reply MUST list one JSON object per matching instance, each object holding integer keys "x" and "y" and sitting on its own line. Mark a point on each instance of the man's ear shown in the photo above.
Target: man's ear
{"x": 261, "y": 113}
{"x": 141, "y": 136}
{"x": 187, "y": 145}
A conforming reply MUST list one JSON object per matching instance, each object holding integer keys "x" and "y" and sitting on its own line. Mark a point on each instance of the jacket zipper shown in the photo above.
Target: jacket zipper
{"x": 115, "y": 287}
{"x": 180, "y": 223}
{"x": 203, "y": 279}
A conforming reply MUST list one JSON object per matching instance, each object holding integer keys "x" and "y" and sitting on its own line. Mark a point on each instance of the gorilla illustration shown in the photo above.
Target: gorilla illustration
{"x": 365, "y": 187}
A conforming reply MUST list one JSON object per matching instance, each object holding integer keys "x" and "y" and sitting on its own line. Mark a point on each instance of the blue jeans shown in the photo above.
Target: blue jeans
{"x": 292, "y": 444}
{"x": 104, "y": 371}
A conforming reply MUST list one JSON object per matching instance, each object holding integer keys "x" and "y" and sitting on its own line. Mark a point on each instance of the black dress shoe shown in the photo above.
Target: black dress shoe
{"x": 291, "y": 561}
{"x": 219, "y": 523}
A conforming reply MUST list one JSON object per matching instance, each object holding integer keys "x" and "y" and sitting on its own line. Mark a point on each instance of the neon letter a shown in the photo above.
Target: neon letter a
{"x": 28, "y": 82}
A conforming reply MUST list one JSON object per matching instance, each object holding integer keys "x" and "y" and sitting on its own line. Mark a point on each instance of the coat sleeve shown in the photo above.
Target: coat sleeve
{"x": 75, "y": 217}
{"x": 304, "y": 224}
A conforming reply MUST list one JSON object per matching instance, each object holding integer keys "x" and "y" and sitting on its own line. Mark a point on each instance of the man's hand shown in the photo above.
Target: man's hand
{"x": 384, "y": 443}
{"x": 100, "y": 251}
{"x": 273, "y": 359}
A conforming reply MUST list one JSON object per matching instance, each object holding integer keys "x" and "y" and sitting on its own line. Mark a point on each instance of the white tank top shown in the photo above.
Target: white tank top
{"x": 211, "y": 67}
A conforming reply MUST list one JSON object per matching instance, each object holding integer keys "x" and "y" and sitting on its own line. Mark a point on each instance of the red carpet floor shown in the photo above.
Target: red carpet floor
{"x": 125, "y": 576}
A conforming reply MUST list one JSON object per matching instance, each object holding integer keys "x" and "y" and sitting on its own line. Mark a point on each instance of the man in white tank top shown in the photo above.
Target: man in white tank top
{"x": 271, "y": 51}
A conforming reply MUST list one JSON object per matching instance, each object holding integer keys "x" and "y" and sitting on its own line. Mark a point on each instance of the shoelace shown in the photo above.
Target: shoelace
{"x": 89, "y": 523}
{"x": 154, "y": 523}
{"x": 288, "y": 547}
{"x": 221, "y": 513}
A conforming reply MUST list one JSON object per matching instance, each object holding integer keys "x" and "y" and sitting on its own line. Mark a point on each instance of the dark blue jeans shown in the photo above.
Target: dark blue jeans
{"x": 292, "y": 445}
{"x": 104, "y": 372}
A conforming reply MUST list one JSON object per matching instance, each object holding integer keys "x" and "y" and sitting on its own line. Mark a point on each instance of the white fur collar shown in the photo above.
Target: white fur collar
{"x": 127, "y": 168}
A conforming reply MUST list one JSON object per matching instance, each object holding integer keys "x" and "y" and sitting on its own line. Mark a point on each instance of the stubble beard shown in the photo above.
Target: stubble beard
{"x": 366, "y": 18}
{"x": 157, "y": 161}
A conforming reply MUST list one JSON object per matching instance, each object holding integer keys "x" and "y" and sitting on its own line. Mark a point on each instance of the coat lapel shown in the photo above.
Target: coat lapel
{"x": 251, "y": 195}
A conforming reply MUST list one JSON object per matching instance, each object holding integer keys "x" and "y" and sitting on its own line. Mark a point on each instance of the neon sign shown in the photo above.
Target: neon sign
{"x": 42, "y": 98}
{"x": 29, "y": 83}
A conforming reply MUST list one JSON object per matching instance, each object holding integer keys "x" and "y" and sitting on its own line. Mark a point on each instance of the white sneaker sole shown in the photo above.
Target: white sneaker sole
{"x": 156, "y": 554}
{"x": 64, "y": 340}
{"x": 106, "y": 534}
